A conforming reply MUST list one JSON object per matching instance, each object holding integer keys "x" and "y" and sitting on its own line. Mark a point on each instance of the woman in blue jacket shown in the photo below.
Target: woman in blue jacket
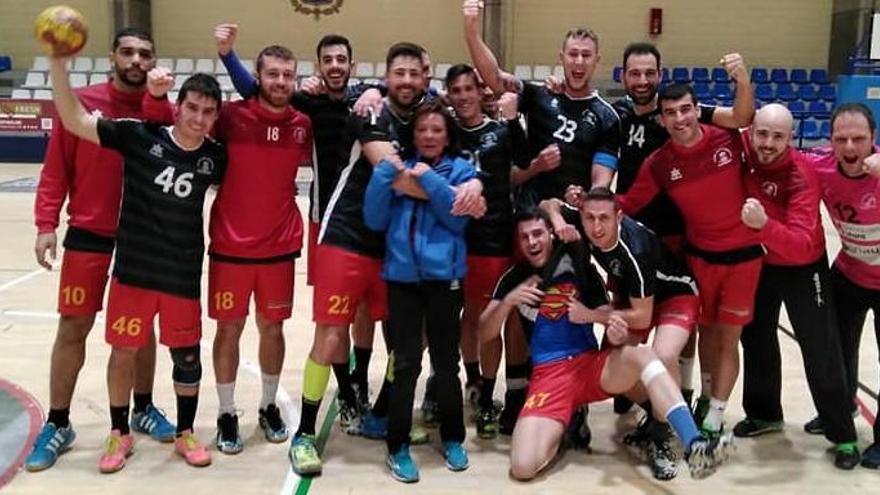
{"x": 424, "y": 266}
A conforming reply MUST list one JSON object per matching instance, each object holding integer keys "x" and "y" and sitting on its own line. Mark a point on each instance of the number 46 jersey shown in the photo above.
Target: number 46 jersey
{"x": 159, "y": 242}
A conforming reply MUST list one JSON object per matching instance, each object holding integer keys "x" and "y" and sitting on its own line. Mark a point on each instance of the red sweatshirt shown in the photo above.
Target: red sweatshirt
{"x": 90, "y": 176}
{"x": 789, "y": 191}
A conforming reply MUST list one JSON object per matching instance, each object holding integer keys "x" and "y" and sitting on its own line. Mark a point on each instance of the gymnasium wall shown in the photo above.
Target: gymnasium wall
{"x": 695, "y": 32}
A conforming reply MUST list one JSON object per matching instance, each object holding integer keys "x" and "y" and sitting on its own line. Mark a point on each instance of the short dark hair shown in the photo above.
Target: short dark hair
{"x": 580, "y": 33}
{"x": 601, "y": 193}
{"x": 204, "y": 84}
{"x": 532, "y": 213}
{"x": 459, "y": 70}
{"x": 134, "y": 33}
{"x": 859, "y": 108}
{"x": 453, "y": 148}
{"x": 331, "y": 40}
{"x": 640, "y": 48}
{"x": 675, "y": 91}
{"x": 277, "y": 51}
{"x": 404, "y": 49}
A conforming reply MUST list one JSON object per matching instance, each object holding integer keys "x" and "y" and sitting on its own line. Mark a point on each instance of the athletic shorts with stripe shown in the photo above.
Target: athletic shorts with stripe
{"x": 559, "y": 387}
{"x": 84, "y": 276}
{"x": 344, "y": 279}
{"x": 231, "y": 284}
{"x": 681, "y": 311}
{"x": 131, "y": 311}
{"x": 727, "y": 292}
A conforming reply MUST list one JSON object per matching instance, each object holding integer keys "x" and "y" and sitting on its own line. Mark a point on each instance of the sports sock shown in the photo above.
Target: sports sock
{"x": 715, "y": 416}
{"x": 487, "y": 389}
{"x": 141, "y": 401}
{"x": 59, "y": 417}
{"x": 119, "y": 419}
{"x": 472, "y": 372}
{"x": 315, "y": 378}
{"x": 679, "y": 416}
{"x": 270, "y": 389}
{"x": 226, "y": 397}
{"x": 186, "y": 412}
{"x": 361, "y": 365}
{"x": 343, "y": 381}
{"x": 308, "y": 417}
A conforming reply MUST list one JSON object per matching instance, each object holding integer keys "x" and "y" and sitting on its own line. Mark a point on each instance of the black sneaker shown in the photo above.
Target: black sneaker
{"x": 751, "y": 427}
{"x": 639, "y": 437}
{"x": 705, "y": 455}
{"x": 350, "y": 417}
{"x": 622, "y": 404}
{"x": 228, "y": 439}
{"x": 871, "y": 457}
{"x": 847, "y": 456}
{"x": 814, "y": 426}
{"x": 578, "y": 435}
{"x": 487, "y": 422}
{"x": 273, "y": 426}
{"x": 514, "y": 400}
{"x": 662, "y": 459}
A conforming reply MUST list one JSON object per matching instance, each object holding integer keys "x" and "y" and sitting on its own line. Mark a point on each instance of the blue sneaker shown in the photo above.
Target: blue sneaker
{"x": 374, "y": 427}
{"x": 402, "y": 466}
{"x": 871, "y": 457}
{"x": 154, "y": 423}
{"x": 50, "y": 443}
{"x": 456, "y": 456}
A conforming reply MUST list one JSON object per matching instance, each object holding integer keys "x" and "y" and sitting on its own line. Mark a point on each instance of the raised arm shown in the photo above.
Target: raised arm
{"x": 245, "y": 82}
{"x": 743, "y": 110}
{"x": 73, "y": 115}
{"x": 482, "y": 56}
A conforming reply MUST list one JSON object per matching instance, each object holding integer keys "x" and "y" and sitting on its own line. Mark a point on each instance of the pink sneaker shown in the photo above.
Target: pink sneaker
{"x": 188, "y": 446}
{"x": 119, "y": 447}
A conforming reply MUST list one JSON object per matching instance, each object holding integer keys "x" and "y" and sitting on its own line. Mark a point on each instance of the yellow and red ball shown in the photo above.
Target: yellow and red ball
{"x": 61, "y": 31}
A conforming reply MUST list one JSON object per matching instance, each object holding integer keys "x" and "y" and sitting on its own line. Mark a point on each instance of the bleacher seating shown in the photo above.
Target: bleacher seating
{"x": 184, "y": 66}
{"x": 41, "y": 64}
{"x": 810, "y": 130}
{"x": 523, "y": 72}
{"x": 819, "y": 76}
{"x": 702, "y": 90}
{"x": 617, "y": 73}
{"x": 825, "y": 130}
{"x": 305, "y": 68}
{"x": 798, "y": 76}
{"x": 807, "y": 92}
{"x": 700, "y": 75}
{"x": 440, "y": 70}
{"x": 779, "y": 76}
{"x": 681, "y": 74}
{"x": 205, "y": 65}
{"x": 721, "y": 91}
{"x": 541, "y": 72}
{"x": 102, "y": 64}
{"x": 764, "y": 91}
{"x": 78, "y": 80}
{"x": 559, "y": 71}
{"x": 828, "y": 92}
{"x": 760, "y": 75}
{"x": 785, "y": 92}
{"x": 82, "y": 64}
{"x": 167, "y": 63}
{"x": 719, "y": 75}
{"x": 363, "y": 69}
{"x": 34, "y": 80}
{"x": 219, "y": 68}
{"x": 819, "y": 110}
{"x": 97, "y": 78}
{"x": 798, "y": 109}
{"x": 21, "y": 94}
{"x": 42, "y": 94}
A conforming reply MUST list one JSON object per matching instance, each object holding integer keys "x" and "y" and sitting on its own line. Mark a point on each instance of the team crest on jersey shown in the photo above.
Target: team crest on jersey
{"x": 555, "y": 303}
{"x": 317, "y": 8}
{"x": 868, "y": 202}
{"x": 205, "y": 166}
{"x": 769, "y": 188}
{"x": 554, "y": 103}
{"x": 157, "y": 150}
{"x": 488, "y": 140}
{"x": 675, "y": 174}
{"x": 589, "y": 118}
{"x": 299, "y": 135}
{"x": 614, "y": 267}
{"x": 722, "y": 156}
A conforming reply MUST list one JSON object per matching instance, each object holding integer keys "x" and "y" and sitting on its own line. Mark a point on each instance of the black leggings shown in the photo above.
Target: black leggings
{"x": 436, "y": 307}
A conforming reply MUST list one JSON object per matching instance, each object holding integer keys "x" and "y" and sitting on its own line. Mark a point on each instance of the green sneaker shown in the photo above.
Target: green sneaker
{"x": 304, "y": 458}
{"x": 418, "y": 435}
{"x": 751, "y": 427}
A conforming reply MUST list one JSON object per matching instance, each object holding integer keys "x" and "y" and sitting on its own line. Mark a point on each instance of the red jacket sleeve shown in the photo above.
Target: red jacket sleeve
{"x": 55, "y": 178}
{"x": 642, "y": 190}
{"x": 794, "y": 236}
{"x": 157, "y": 110}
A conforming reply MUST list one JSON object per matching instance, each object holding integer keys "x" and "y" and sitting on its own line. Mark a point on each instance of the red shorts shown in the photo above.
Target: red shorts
{"x": 314, "y": 228}
{"x": 727, "y": 292}
{"x": 483, "y": 273}
{"x": 557, "y": 388}
{"x": 681, "y": 311}
{"x": 230, "y": 286}
{"x": 130, "y": 314}
{"x": 83, "y": 278}
{"x": 344, "y": 281}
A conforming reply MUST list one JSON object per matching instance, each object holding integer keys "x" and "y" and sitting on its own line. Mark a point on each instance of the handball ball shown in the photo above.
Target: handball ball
{"x": 61, "y": 31}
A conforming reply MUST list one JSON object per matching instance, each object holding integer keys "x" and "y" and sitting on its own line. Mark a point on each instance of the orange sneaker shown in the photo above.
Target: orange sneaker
{"x": 188, "y": 446}
{"x": 119, "y": 447}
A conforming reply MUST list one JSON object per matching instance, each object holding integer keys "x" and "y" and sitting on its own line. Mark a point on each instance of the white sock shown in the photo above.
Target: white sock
{"x": 686, "y": 368}
{"x": 705, "y": 384}
{"x": 270, "y": 388}
{"x": 715, "y": 416}
{"x": 226, "y": 396}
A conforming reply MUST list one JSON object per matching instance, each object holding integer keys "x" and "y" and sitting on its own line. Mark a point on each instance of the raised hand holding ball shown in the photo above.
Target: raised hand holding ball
{"x": 61, "y": 31}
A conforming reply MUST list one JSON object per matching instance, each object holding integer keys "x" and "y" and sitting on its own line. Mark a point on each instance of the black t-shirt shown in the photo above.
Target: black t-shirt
{"x": 159, "y": 243}
{"x": 582, "y": 127}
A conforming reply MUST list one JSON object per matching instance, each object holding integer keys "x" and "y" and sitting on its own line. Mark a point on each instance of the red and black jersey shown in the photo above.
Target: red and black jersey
{"x": 159, "y": 243}
{"x": 705, "y": 182}
{"x": 89, "y": 176}
{"x": 255, "y": 215}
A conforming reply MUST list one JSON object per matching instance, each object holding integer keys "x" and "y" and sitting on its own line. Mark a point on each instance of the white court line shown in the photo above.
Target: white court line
{"x": 23, "y": 278}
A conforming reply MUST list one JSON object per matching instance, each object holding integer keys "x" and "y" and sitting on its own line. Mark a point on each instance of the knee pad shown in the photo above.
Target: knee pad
{"x": 654, "y": 369}
{"x": 187, "y": 365}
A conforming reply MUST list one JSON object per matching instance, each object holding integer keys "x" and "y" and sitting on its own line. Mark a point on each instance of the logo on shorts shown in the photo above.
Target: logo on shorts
{"x": 722, "y": 157}
{"x": 205, "y": 166}
{"x": 675, "y": 174}
{"x": 868, "y": 202}
{"x": 317, "y": 8}
{"x": 157, "y": 150}
{"x": 769, "y": 189}
{"x": 555, "y": 303}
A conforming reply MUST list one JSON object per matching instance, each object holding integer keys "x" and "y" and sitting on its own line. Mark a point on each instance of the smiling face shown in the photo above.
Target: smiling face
{"x": 535, "y": 241}
{"x": 681, "y": 119}
{"x": 196, "y": 115}
{"x": 579, "y": 58}
{"x": 406, "y": 80}
{"x": 641, "y": 77}
{"x": 601, "y": 222}
{"x": 430, "y": 136}
{"x": 335, "y": 67}
{"x": 277, "y": 78}
{"x": 770, "y": 133}
{"x": 852, "y": 141}
{"x": 466, "y": 98}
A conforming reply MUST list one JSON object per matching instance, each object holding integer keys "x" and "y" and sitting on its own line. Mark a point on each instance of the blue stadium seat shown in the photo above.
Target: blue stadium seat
{"x": 681, "y": 74}
{"x": 810, "y": 130}
{"x": 721, "y": 91}
{"x": 825, "y": 129}
{"x": 785, "y": 92}
{"x": 797, "y": 109}
{"x": 5, "y": 63}
{"x": 807, "y": 92}
{"x": 664, "y": 75}
{"x": 799, "y": 76}
{"x": 702, "y": 90}
{"x": 764, "y": 91}
{"x": 819, "y": 76}
{"x": 779, "y": 76}
{"x": 819, "y": 110}
{"x": 719, "y": 75}
{"x": 759, "y": 75}
{"x": 618, "y": 71}
{"x": 700, "y": 74}
{"x": 828, "y": 92}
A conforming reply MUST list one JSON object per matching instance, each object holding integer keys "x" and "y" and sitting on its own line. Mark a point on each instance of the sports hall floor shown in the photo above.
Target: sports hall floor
{"x": 790, "y": 462}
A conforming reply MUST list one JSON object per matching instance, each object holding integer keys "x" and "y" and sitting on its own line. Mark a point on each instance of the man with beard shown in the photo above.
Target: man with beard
{"x": 573, "y": 138}
{"x": 783, "y": 206}
{"x": 90, "y": 178}
{"x": 849, "y": 179}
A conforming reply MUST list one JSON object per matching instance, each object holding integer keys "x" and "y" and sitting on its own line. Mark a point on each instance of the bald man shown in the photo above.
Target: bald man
{"x": 783, "y": 205}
